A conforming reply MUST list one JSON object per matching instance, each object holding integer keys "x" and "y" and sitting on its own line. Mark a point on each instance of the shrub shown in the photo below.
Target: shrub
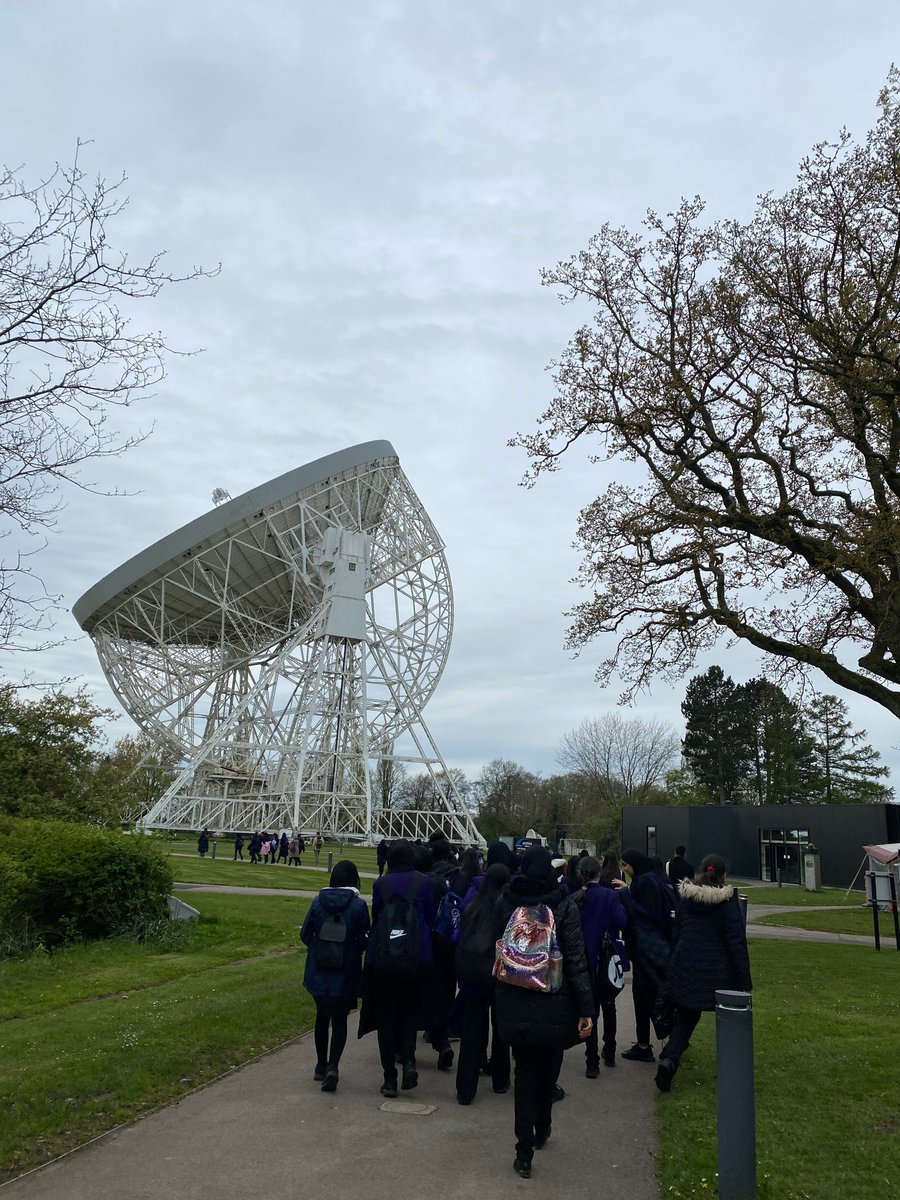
{"x": 77, "y": 881}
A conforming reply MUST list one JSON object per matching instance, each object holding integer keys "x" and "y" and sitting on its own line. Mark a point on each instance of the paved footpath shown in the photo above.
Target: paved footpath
{"x": 267, "y": 1132}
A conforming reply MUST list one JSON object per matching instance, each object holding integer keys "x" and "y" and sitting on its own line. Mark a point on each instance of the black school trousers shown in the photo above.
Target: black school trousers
{"x": 535, "y": 1075}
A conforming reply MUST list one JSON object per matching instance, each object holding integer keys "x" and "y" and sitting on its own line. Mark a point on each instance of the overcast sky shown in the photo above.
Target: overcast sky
{"x": 382, "y": 183}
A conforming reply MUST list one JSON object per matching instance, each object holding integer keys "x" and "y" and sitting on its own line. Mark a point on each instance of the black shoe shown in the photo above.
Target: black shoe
{"x": 521, "y": 1167}
{"x": 319, "y": 1074}
{"x": 410, "y": 1077}
{"x": 592, "y": 1070}
{"x": 330, "y": 1082}
{"x": 558, "y": 1093}
{"x": 665, "y": 1073}
{"x": 389, "y": 1087}
{"x": 500, "y": 1089}
{"x": 445, "y": 1059}
{"x": 609, "y": 1058}
{"x": 639, "y": 1054}
{"x": 541, "y": 1139}
{"x": 463, "y": 1099}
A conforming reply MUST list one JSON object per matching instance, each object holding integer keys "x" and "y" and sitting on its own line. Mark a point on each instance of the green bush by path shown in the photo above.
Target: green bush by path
{"x": 69, "y": 881}
{"x": 99, "y": 1033}
{"x": 827, "y": 1106}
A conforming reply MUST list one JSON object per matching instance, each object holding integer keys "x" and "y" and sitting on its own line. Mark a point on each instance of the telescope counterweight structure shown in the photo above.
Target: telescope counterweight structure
{"x": 281, "y": 644}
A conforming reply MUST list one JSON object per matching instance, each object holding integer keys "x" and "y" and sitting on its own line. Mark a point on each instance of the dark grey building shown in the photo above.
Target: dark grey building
{"x": 758, "y": 840}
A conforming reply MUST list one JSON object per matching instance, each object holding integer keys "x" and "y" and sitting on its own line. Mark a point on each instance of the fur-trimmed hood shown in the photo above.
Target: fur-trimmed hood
{"x": 702, "y": 894}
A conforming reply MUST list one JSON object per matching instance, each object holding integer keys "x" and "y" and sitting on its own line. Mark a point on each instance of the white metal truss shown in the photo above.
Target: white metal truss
{"x": 243, "y": 660}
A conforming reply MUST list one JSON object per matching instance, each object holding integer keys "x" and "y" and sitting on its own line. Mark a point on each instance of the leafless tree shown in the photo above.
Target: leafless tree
{"x": 68, "y": 355}
{"x": 389, "y": 782}
{"x": 624, "y": 758}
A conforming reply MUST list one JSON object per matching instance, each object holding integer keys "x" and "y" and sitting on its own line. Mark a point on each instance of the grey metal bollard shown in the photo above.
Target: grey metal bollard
{"x": 330, "y": 860}
{"x": 743, "y": 901}
{"x": 735, "y": 1096}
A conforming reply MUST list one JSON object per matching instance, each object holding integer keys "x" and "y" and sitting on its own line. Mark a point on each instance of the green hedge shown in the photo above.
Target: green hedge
{"x": 67, "y": 882}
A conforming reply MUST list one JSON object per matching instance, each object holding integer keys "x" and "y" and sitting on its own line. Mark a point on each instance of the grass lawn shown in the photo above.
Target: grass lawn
{"x": 96, "y": 1035}
{"x": 798, "y": 896}
{"x": 837, "y": 921}
{"x": 204, "y": 870}
{"x": 827, "y": 1105}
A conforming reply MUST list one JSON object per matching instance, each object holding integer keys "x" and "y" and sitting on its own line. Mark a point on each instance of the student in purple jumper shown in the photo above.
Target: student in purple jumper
{"x": 602, "y": 913}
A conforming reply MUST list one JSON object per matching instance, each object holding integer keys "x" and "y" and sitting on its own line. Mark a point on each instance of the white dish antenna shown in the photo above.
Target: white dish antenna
{"x": 281, "y": 644}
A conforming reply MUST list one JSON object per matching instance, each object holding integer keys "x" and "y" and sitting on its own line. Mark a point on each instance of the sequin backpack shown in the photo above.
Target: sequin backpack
{"x": 528, "y": 953}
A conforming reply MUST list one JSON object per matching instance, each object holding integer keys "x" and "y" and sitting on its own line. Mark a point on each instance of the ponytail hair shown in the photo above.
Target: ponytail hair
{"x": 713, "y": 870}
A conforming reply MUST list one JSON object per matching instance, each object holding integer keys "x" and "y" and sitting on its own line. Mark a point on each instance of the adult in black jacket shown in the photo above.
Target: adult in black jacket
{"x": 538, "y": 1025}
{"x": 649, "y": 903}
{"x": 710, "y": 952}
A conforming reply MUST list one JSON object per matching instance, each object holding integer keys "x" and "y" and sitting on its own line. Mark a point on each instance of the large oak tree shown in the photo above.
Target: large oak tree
{"x": 746, "y": 376}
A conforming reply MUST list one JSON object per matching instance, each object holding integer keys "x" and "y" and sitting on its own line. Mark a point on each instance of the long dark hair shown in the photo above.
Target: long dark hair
{"x": 495, "y": 879}
{"x": 468, "y": 864}
{"x": 609, "y": 868}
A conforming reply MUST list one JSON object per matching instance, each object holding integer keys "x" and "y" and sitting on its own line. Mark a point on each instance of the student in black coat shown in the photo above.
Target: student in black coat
{"x": 649, "y": 903}
{"x": 710, "y": 953}
{"x": 335, "y": 988}
{"x": 538, "y": 1025}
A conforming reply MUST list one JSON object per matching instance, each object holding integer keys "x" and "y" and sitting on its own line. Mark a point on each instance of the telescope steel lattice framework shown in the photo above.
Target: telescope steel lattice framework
{"x": 283, "y": 642}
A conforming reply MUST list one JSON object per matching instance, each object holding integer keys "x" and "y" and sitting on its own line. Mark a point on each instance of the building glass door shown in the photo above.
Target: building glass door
{"x": 782, "y": 850}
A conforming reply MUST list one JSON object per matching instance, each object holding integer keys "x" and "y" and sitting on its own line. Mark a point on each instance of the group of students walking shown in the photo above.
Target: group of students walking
{"x": 521, "y": 958}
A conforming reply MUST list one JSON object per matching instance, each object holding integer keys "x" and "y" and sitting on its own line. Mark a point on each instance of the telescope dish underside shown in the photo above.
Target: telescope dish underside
{"x": 282, "y": 642}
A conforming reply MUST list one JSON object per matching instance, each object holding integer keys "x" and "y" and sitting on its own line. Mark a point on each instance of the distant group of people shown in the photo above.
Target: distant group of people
{"x": 266, "y": 847}
{"x": 521, "y": 956}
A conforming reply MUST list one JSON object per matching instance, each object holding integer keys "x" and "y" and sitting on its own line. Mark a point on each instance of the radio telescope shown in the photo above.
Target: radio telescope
{"x": 281, "y": 644}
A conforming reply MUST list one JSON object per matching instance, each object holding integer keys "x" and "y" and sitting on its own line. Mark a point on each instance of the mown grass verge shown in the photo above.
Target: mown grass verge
{"x": 798, "y": 896}
{"x": 199, "y": 870}
{"x": 858, "y": 921}
{"x": 99, "y": 1034}
{"x": 827, "y": 1106}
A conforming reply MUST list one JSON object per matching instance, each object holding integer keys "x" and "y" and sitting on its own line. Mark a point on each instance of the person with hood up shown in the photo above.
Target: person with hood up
{"x": 537, "y": 1024}
{"x": 649, "y": 903}
{"x": 710, "y": 953}
{"x": 334, "y": 964}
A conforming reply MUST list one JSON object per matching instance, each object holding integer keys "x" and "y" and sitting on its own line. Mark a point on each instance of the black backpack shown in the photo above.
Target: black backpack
{"x": 395, "y": 938}
{"x": 477, "y": 947}
{"x": 331, "y": 943}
